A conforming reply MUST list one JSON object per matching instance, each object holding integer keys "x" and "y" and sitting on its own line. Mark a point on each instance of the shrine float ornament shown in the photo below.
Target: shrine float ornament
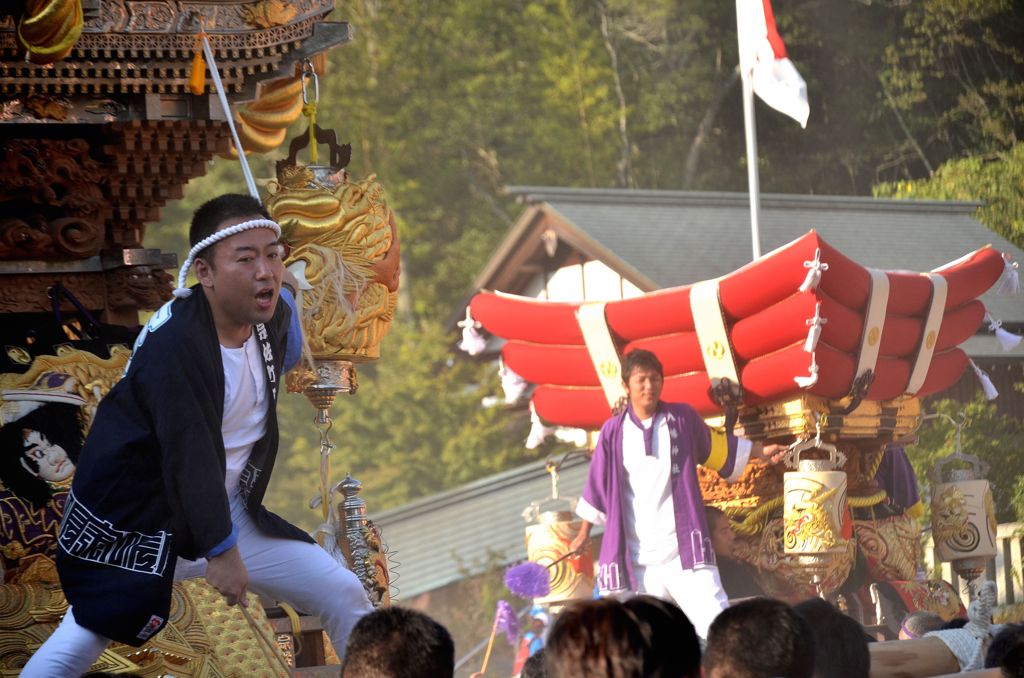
{"x": 343, "y": 249}
{"x": 803, "y": 347}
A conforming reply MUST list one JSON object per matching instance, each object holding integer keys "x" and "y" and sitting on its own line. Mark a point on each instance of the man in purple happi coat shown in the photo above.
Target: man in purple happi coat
{"x": 642, "y": 486}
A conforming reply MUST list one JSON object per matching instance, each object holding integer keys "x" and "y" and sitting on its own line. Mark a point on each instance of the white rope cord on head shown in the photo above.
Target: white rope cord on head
{"x": 181, "y": 291}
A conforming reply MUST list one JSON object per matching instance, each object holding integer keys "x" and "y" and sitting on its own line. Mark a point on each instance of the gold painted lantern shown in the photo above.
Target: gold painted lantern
{"x": 551, "y": 526}
{"x": 814, "y": 507}
{"x": 963, "y": 513}
{"x": 344, "y": 254}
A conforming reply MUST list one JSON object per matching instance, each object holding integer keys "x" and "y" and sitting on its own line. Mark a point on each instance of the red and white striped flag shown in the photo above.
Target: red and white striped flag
{"x": 763, "y": 58}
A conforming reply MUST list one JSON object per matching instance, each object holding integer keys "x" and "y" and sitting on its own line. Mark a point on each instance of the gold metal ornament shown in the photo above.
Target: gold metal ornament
{"x": 963, "y": 515}
{"x": 551, "y": 527}
{"x": 814, "y": 508}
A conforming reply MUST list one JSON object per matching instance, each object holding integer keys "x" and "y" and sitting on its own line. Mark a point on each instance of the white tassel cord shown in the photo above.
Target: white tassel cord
{"x": 814, "y": 332}
{"x": 181, "y": 291}
{"x": 1011, "y": 278}
{"x": 986, "y": 383}
{"x": 812, "y": 378}
{"x": 1007, "y": 340}
{"x": 815, "y": 268}
{"x": 538, "y": 431}
{"x": 512, "y": 384}
{"x": 472, "y": 342}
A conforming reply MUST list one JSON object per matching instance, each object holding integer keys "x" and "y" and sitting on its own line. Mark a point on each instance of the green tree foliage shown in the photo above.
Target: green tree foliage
{"x": 994, "y": 438}
{"x": 954, "y": 78}
{"x": 996, "y": 179}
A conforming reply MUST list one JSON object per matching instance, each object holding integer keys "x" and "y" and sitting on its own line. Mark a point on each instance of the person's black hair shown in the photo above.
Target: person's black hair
{"x": 673, "y": 649}
{"x": 398, "y": 642}
{"x": 759, "y": 638}
{"x": 713, "y": 515}
{"x": 954, "y": 623}
{"x": 840, "y": 649}
{"x": 640, "y": 358}
{"x": 534, "y": 666}
{"x": 61, "y": 423}
{"x": 1007, "y": 651}
{"x": 596, "y": 639}
{"x": 916, "y": 624}
{"x": 215, "y": 212}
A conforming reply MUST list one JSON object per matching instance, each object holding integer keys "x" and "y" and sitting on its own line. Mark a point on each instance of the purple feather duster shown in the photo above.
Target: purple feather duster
{"x": 528, "y": 580}
{"x": 505, "y": 619}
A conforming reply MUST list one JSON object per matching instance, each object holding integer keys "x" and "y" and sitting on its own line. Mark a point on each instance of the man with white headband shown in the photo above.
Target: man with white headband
{"x": 179, "y": 457}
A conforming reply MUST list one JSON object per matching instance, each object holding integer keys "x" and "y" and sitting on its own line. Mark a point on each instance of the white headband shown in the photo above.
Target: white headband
{"x": 181, "y": 291}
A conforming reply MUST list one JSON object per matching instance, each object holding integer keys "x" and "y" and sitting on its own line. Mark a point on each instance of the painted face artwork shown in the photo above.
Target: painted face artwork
{"x": 44, "y": 459}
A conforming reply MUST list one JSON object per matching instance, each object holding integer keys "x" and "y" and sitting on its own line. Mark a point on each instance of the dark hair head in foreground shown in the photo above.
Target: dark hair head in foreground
{"x": 1007, "y": 651}
{"x": 759, "y": 638}
{"x": 397, "y": 642}
{"x": 640, "y": 638}
{"x": 840, "y": 646}
{"x": 673, "y": 649}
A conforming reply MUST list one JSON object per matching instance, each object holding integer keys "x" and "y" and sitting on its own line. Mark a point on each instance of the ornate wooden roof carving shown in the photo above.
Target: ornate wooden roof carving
{"x": 97, "y": 142}
{"x": 147, "y": 46}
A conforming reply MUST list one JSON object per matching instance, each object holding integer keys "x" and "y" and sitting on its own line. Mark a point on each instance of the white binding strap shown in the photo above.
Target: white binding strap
{"x": 874, "y": 322}
{"x": 712, "y": 333}
{"x": 601, "y": 348}
{"x": 930, "y": 333}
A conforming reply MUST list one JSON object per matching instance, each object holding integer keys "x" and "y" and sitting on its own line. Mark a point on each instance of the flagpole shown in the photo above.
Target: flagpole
{"x": 750, "y": 129}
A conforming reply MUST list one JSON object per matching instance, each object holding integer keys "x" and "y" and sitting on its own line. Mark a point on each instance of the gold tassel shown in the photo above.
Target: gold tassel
{"x": 197, "y": 78}
{"x": 309, "y": 110}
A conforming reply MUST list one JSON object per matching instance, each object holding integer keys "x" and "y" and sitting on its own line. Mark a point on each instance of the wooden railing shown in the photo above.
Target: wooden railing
{"x": 1005, "y": 569}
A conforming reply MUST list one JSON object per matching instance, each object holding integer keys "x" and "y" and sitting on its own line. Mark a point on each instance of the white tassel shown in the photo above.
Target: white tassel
{"x": 812, "y": 378}
{"x": 1007, "y": 340}
{"x": 512, "y": 384}
{"x": 538, "y": 431}
{"x": 472, "y": 342}
{"x": 1011, "y": 281}
{"x": 814, "y": 333}
{"x": 815, "y": 268}
{"x": 986, "y": 383}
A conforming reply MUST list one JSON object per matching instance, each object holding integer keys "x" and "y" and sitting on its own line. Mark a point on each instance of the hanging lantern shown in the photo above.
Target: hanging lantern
{"x": 814, "y": 508}
{"x": 963, "y": 514}
{"x": 551, "y": 526}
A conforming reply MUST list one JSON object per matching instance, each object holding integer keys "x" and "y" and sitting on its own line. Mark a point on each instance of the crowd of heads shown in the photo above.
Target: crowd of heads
{"x": 637, "y": 637}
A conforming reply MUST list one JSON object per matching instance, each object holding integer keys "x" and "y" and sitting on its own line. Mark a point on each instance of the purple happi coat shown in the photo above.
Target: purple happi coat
{"x": 895, "y": 475}
{"x": 691, "y": 444}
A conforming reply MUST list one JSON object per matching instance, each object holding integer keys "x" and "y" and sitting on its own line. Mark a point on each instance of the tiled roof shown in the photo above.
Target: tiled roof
{"x": 447, "y": 536}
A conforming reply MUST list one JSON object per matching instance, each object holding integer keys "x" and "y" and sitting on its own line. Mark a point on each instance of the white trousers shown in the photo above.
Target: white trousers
{"x": 697, "y": 592}
{"x": 300, "y": 574}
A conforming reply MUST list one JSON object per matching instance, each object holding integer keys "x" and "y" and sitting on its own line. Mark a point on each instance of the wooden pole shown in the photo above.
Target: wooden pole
{"x": 917, "y": 658}
{"x": 490, "y": 645}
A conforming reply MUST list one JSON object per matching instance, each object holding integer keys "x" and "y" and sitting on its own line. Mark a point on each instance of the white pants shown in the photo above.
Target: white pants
{"x": 301, "y": 574}
{"x": 697, "y": 592}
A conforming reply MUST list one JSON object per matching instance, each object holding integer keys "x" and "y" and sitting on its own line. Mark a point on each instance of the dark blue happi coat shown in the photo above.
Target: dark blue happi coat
{"x": 149, "y": 486}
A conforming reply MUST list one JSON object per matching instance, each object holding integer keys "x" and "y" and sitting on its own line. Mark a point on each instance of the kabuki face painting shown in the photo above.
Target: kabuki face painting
{"x": 45, "y": 460}
{"x": 38, "y": 449}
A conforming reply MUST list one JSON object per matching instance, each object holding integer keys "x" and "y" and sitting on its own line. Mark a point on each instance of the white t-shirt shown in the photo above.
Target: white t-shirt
{"x": 245, "y": 407}
{"x": 649, "y": 511}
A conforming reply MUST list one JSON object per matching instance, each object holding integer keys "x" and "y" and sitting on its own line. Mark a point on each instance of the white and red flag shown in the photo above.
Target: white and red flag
{"x": 763, "y": 59}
